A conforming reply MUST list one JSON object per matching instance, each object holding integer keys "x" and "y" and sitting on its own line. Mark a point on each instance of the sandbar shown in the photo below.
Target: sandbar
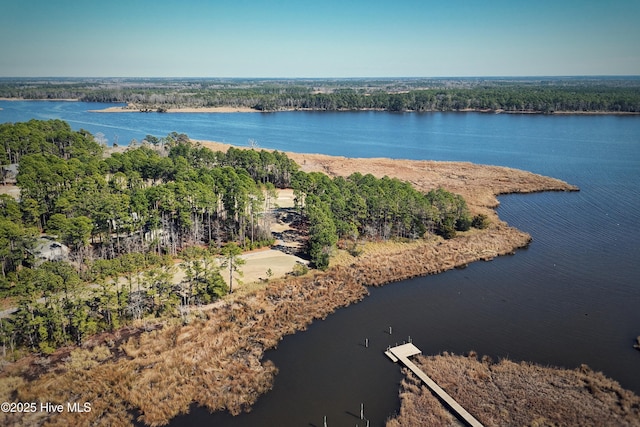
{"x": 131, "y": 108}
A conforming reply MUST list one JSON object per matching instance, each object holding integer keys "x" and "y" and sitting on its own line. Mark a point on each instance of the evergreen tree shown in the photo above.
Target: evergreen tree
{"x": 231, "y": 259}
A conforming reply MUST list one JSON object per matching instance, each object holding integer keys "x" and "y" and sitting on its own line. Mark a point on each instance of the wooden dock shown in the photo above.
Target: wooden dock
{"x": 402, "y": 353}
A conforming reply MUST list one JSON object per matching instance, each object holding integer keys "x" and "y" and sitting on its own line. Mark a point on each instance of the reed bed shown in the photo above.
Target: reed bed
{"x": 419, "y": 407}
{"x": 216, "y": 360}
{"x": 510, "y": 393}
{"x": 434, "y": 257}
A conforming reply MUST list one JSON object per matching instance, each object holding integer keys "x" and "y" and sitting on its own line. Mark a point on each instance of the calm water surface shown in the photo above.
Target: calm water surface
{"x": 572, "y": 297}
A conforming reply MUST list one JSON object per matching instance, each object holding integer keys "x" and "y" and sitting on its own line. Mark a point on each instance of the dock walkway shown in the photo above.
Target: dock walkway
{"x": 402, "y": 353}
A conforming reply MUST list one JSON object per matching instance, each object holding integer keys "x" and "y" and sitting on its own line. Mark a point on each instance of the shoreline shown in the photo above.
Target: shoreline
{"x": 217, "y": 361}
{"x": 128, "y": 109}
{"x": 45, "y": 100}
{"x": 133, "y": 108}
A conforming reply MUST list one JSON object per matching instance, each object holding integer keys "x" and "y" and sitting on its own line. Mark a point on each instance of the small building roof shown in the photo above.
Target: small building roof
{"x": 47, "y": 249}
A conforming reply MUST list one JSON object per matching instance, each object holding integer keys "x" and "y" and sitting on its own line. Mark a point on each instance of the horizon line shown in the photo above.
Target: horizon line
{"x": 336, "y": 77}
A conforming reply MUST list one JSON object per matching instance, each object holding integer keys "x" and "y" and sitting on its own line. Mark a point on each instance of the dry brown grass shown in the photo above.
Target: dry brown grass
{"x": 419, "y": 406}
{"x": 478, "y": 184}
{"x": 216, "y": 360}
{"x": 510, "y": 393}
{"x": 8, "y": 385}
{"x": 399, "y": 261}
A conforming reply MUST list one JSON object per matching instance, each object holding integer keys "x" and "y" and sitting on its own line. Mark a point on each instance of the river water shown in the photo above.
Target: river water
{"x": 572, "y": 297}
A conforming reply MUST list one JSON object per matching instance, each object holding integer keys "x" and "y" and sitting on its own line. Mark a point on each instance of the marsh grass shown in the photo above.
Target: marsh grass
{"x": 215, "y": 360}
{"x": 382, "y": 263}
{"x": 87, "y": 359}
{"x": 511, "y": 393}
{"x": 419, "y": 406}
{"x": 8, "y": 385}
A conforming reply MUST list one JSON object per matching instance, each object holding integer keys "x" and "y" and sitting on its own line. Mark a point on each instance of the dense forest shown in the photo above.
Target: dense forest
{"x": 128, "y": 217}
{"x": 364, "y": 206}
{"x": 542, "y": 95}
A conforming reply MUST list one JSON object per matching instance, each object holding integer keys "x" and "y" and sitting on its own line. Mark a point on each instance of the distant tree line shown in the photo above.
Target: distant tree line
{"x": 543, "y": 96}
{"x": 511, "y": 99}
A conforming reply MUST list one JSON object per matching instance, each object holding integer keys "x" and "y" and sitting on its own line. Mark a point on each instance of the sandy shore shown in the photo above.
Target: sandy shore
{"x": 599, "y": 113}
{"x": 134, "y": 109}
{"x": 52, "y": 99}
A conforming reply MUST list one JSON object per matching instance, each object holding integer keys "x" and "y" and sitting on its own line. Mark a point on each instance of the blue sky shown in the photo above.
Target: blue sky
{"x": 287, "y": 38}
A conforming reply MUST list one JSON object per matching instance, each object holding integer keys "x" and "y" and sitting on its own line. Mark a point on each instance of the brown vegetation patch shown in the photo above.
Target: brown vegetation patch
{"x": 478, "y": 184}
{"x": 419, "y": 407}
{"x": 134, "y": 108}
{"x": 510, "y": 393}
{"x": 400, "y": 261}
{"x": 216, "y": 360}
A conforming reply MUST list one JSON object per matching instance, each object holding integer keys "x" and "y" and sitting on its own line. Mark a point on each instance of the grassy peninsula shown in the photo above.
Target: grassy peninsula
{"x": 146, "y": 347}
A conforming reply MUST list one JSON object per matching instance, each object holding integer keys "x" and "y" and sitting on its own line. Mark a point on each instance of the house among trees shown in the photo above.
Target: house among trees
{"x": 9, "y": 173}
{"x": 47, "y": 249}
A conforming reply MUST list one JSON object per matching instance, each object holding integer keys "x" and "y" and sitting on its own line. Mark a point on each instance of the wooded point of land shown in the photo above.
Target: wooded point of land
{"x": 532, "y": 94}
